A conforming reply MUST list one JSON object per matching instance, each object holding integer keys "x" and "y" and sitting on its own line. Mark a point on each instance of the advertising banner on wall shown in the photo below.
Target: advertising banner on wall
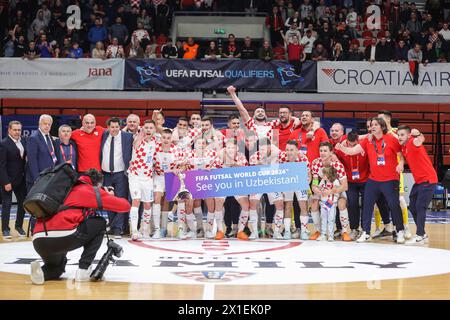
{"x": 182, "y": 74}
{"x": 61, "y": 74}
{"x": 382, "y": 77}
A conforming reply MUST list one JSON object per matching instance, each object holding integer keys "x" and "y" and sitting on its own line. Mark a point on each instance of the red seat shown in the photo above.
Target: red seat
{"x": 367, "y": 42}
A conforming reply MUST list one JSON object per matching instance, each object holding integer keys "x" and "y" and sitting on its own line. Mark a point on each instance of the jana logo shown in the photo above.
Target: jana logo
{"x": 148, "y": 72}
{"x": 288, "y": 75}
{"x": 329, "y": 72}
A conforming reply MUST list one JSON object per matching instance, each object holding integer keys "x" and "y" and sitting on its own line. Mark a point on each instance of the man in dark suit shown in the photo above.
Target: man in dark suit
{"x": 66, "y": 149}
{"x": 115, "y": 157}
{"x": 12, "y": 177}
{"x": 41, "y": 153}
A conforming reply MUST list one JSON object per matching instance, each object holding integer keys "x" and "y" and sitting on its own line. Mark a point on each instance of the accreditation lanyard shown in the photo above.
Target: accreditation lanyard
{"x": 303, "y": 147}
{"x": 355, "y": 169}
{"x": 381, "y": 161}
{"x": 70, "y": 158}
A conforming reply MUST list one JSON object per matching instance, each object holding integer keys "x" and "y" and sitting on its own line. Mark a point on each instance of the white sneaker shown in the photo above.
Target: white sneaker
{"x": 83, "y": 275}
{"x": 330, "y": 238}
{"x": 389, "y": 227}
{"x": 364, "y": 238}
{"x": 192, "y": 235}
{"x": 182, "y": 235}
{"x": 253, "y": 236}
{"x": 277, "y": 235}
{"x": 209, "y": 235}
{"x": 322, "y": 237}
{"x": 157, "y": 234}
{"x": 36, "y": 275}
{"x": 287, "y": 235}
{"x": 377, "y": 233}
{"x": 304, "y": 235}
{"x": 408, "y": 234}
{"x": 417, "y": 241}
{"x": 135, "y": 236}
{"x": 401, "y": 237}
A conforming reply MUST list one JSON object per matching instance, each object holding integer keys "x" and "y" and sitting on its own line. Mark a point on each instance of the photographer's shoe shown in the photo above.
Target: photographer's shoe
{"x": 117, "y": 234}
{"x": 83, "y": 275}
{"x": 7, "y": 234}
{"x": 37, "y": 275}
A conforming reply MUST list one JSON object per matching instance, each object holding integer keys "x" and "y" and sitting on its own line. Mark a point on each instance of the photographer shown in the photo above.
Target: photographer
{"x": 74, "y": 228}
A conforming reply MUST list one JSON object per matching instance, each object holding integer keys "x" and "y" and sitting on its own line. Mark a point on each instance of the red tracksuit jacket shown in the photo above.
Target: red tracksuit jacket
{"x": 66, "y": 222}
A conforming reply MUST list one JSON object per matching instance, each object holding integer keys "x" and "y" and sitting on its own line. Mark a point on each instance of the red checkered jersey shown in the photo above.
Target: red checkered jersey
{"x": 257, "y": 158}
{"x": 167, "y": 160}
{"x": 262, "y": 130}
{"x": 300, "y": 158}
{"x": 207, "y": 160}
{"x": 317, "y": 166}
{"x": 222, "y": 161}
{"x": 142, "y": 160}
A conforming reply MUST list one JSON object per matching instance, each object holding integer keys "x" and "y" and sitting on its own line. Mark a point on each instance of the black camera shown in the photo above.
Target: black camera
{"x": 113, "y": 250}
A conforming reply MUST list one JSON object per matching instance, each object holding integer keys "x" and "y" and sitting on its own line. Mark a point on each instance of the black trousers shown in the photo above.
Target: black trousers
{"x": 297, "y": 212}
{"x": 232, "y": 211}
{"x": 419, "y": 200}
{"x": 53, "y": 251}
{"x": 20, "y": 191}
{"x": 270, "y": 209}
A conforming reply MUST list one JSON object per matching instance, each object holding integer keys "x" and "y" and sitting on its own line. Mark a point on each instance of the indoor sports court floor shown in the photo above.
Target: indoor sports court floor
{"x": 264, "y": 269}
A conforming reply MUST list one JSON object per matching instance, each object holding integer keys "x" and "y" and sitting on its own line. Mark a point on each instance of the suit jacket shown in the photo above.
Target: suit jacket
{"x": 12, "y": 166}
{"x": 38, "y": 156}
{"x": 59, "y": 154}
{"x": 127, "y": 146}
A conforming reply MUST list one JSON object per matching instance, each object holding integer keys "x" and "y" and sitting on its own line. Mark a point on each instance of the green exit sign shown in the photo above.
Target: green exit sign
{"x": 219, "y": 31}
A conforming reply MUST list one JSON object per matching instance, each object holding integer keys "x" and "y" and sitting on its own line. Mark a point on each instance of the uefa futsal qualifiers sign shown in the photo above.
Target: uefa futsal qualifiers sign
{"x": 240, "y": 180}
{"x": 202, "y": 74}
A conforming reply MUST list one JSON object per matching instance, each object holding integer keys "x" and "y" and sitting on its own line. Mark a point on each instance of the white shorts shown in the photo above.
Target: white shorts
{"x": 340, "y": 195}
{"x": 302, "y": 195}
{"x": 159, "y": 183}
{"x": 273, "y": 196}
{"x": 141, "y": 188}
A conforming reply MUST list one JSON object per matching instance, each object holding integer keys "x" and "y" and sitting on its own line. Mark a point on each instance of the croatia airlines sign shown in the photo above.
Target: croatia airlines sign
{"x": 382, "y": 77}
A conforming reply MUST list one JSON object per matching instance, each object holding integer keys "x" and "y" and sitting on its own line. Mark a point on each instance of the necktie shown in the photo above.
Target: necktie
{"x": 50, "y": 148}
{"x": 111, "y": 156}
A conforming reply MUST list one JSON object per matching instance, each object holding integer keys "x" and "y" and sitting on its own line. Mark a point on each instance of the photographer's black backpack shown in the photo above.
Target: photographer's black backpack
{"x": 50, "y": 190}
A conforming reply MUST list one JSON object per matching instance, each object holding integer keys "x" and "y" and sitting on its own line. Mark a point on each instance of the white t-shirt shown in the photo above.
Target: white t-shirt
{"x": 308, "y": 43}
{"x": 445, "y": 34}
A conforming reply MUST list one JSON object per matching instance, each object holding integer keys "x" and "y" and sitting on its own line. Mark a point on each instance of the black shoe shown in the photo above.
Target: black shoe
{"x": 394, "y": 236}
{"x": 117, "y": 234}
{"x": 7, "y": 234}
{"x": 230, "y": 233}
{"x": 21, "y": 232}
{"x": 247, "y": 231}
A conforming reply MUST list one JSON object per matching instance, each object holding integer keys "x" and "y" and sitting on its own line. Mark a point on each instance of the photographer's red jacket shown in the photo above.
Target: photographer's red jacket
{"x": 65, "y": 223}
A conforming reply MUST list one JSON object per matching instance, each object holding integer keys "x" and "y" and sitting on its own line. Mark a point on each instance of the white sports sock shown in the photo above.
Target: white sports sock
{"x": 164, "y": 219}
{"x": 190, "y": 218}
{"x": 343, "y": 216}
{"x": 210, "y": 220}
{"x": 146, "y": 222}
{"x": 243, "y": 218}
{"x": 134, "y": 216}
{"x": 304, "y": 222}
{"x": 198, "y": 213}
{"x": 253, "y": 220}
{"x": 278, "y": 219}
{"x": 156, "y": 215}
{"x": 287, "y": 224}
{"x": 156, "y": 218}
{"x": 218, "y": 215}
{"x": 316, "y": 220}
{"x": 181, "y": 212}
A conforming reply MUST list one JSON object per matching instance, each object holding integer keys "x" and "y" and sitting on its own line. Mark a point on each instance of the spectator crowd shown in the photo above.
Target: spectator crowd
{"x": 336, "y": 30}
